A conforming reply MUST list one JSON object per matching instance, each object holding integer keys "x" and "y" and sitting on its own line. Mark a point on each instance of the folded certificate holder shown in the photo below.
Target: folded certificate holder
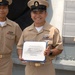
{"x": 34, "y": 51}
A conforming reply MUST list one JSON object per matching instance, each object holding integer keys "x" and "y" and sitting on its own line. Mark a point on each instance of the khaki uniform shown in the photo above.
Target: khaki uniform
{"x": 9, "y": 34}
{"x": 49, "y": 34}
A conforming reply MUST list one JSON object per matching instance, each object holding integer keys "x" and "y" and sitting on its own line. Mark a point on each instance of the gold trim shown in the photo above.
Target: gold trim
{"x": 0, "y": 56}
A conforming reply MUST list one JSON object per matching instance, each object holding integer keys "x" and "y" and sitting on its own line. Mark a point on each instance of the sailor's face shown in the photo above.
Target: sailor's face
{"x": 38, "y": 16}
{"x": 3, "y": 11}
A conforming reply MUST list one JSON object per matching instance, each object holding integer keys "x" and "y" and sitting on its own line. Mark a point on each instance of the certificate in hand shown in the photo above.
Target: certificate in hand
{"x": 34, "y": 51}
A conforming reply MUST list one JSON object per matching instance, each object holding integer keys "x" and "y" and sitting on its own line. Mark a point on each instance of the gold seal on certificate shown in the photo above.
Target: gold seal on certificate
{"x": 34, "y": 51}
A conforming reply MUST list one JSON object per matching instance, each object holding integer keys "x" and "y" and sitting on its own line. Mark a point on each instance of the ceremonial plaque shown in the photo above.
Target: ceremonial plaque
{"x": 34, "y": 51}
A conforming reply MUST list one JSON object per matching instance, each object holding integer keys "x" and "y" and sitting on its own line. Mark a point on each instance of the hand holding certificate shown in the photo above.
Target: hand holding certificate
{"x": 34, "y": 51}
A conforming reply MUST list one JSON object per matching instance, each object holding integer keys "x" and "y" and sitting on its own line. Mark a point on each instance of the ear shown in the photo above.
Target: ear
{"x": 30, "y": 13}
{"x": 46, "y": 13}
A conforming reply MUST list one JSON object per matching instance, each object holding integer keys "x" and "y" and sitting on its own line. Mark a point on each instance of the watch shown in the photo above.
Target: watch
{"x": 50, "y": 53}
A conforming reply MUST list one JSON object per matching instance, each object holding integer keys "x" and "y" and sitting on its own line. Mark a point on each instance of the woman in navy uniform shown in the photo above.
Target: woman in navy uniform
{"x": 40, "y": 30}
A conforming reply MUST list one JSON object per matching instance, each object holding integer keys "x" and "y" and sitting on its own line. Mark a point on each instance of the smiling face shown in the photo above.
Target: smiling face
{"x": 38, "y": 17}
{"x": 3, "y": 12}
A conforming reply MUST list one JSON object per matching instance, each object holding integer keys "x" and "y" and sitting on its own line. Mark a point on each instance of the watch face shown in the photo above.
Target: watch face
{"x": 50, "y": 53}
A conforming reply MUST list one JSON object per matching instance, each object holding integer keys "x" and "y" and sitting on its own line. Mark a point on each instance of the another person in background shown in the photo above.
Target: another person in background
{"x": 40, "y": 30}
{"x": 9, "y": 34}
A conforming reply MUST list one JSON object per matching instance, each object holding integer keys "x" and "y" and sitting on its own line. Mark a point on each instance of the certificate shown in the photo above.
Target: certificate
{"x": 34, "y": 51}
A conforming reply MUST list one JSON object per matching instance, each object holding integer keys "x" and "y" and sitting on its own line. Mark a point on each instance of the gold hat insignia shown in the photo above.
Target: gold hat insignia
{"x": 0, "y": 0}
{"x": 36, "y": 3}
